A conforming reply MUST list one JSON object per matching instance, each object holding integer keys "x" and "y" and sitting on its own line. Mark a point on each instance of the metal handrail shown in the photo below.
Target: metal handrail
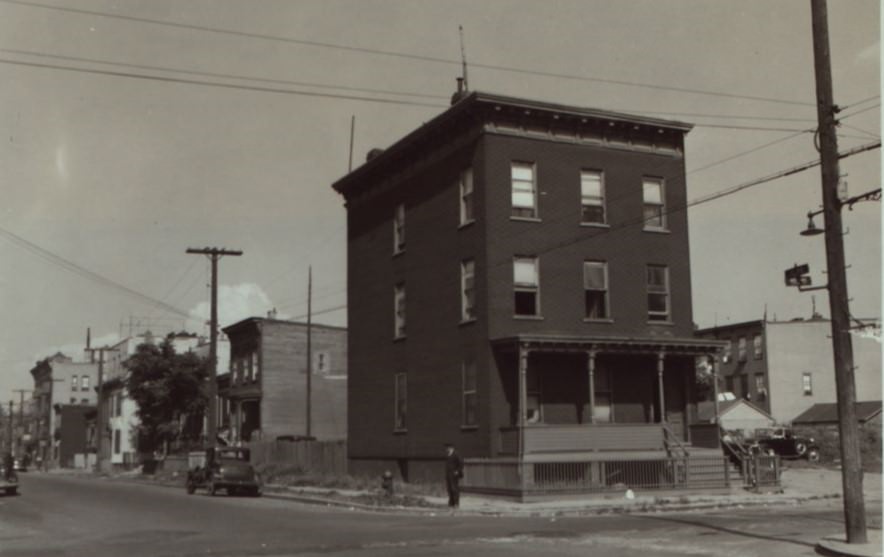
{"x": 669, "y": 437}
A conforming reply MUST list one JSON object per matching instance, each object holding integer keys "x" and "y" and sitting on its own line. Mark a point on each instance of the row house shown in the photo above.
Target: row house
{"x": 265, "y": 393}
{"x": 519, "y": 285}
{"x": 786, "y": 367}
{"x": 59, "y": 383}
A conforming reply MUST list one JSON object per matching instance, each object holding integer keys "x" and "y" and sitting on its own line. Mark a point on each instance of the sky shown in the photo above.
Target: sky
{"x": 128, "y": 139}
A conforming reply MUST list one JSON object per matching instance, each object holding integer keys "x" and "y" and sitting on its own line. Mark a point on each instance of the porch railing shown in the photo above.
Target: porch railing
{"x": 548, "y": 438}
{"x": 515, "y": 476}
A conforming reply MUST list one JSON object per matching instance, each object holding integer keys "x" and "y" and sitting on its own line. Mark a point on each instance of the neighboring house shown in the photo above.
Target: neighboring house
{"x": 868, "y": 413}
{"x": 118, "y": 416}
{"x": 264, "y": 395}
{"x": 519, "y": 285}
{"x": 785, "y": 367}
{"x": 72, "y": 434}
{"x": 735, "y": 415}
{"x": 59, "y": 381}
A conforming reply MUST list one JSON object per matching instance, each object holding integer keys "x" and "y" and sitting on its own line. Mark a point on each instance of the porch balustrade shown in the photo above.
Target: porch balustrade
{"x": 547, "y": 438}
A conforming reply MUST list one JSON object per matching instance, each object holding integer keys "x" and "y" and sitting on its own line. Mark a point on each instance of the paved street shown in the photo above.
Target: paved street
{"x": 69, "y": 515}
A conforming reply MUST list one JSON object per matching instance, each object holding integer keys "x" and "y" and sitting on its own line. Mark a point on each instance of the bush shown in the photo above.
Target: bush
{"x": 830, "y": 447}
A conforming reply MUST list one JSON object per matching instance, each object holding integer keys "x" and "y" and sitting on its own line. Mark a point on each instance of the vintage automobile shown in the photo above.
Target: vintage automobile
{"x": 8, "y": 485}
{"x": 783, "y": 442}
{"x": 225, "y": 468}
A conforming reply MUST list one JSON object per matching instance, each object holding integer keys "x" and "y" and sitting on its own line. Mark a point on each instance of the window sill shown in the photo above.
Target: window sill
{"x": 662, "y": 323}
{"x": 466, "y": 224}
{"x": 595, "y": 225}
{"x": 655, "y": 230}
{"x": 399, "y": 339}
{"x": 400, "y": 431}
{"x": 398, "y": 253}
{"x": 528, "y": 317}
{"x": 588, "y": 320}
{"x": 525, "y": 219}
{"x": 469, "y": 321}
{"x": 469, "y": 427}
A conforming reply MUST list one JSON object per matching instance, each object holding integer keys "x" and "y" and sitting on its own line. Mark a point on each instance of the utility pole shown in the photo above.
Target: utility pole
{"x": 309, "y": 346}
{"x": 842, "y": 347}
{"x": 99, "y": 405}
{"x": 214, "y": 254}
{"x": 9, "y": 427}
{"x": 21, "y": 414}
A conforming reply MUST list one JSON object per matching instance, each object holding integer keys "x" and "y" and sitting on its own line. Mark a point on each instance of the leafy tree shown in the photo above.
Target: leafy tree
{"x": 169, "y": 390}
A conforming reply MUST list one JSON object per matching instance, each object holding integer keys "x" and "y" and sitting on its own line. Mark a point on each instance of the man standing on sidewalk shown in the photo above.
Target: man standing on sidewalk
{"x": 453, "y": 474}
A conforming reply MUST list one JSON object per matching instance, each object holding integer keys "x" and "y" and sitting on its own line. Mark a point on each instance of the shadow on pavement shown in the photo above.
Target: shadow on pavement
{"x": 733, "y": 531}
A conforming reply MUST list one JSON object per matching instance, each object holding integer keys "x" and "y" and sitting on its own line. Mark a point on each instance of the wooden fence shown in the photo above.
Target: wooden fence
{"x": 309, "y": 457}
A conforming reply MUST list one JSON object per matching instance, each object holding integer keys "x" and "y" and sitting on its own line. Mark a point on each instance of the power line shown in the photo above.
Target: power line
{"x": 744, "y": 153}
{"x": 54, "y": 259}
{"x": 215, "y": 74}
{"x": 216, "y": 84}
{"x": 404, "y": 55}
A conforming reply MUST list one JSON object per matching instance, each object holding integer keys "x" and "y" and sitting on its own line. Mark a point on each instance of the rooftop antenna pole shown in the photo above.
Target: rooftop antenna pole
{"x": 463, "y": 58}
{"x": 352, "y": 130}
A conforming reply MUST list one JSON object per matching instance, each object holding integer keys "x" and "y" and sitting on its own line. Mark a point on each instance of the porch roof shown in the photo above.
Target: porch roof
{"x": 610, "y": 344}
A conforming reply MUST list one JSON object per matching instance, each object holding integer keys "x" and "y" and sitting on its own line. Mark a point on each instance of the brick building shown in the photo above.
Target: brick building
{"x": 785, "y": 367}
{"x": 264, "y": 395}
{"x": 547, "y": 283}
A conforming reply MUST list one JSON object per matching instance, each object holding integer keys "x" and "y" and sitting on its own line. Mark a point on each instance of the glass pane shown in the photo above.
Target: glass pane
{"x": 591, "y": 184}
{"x": 525, "y": 272}
{"x": 657, "y": 303}
{"x": 469, "y": 376}
{"x": 593, "y": 213}
{"x": 653, "y": 215}
{"x": 526, "y": 303}
{"x": 656, "y": 277}
{"x": 596, "y": 306}
{"x": 653, "y": 191}
{"x": 594, "y": 275}
{"x": 524, "y": 172}
{"x": 523, "y": 199}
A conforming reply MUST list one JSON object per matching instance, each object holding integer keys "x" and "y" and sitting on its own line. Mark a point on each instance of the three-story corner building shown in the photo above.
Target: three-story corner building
{"x": 519, "y": 285}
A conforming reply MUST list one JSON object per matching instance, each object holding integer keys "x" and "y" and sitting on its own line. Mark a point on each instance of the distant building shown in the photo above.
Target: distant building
{"x": 735, "y": 415}
{"x": 868, "y": 413}
{"x": 58, "y": 382}
{"x": 519, "y": 284}
{"x": 785, "y": 367}
{"x": 264, "y": 394}
{"x": 117, "y": 421}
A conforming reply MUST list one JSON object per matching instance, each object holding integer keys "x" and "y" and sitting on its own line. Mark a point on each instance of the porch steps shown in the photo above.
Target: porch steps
{"x": 702, "y": 472}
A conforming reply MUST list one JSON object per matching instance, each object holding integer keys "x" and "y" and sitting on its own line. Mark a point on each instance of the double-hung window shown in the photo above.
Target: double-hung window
{"x": 524, "y": 190}
{"x": 526, "y": 286}
{"x": 658, "y": 293}
{"x": 468, "y": 290}
{"x": 654, "y": 210}
{"x": 470, "y": 418}
{"x": 592, "y": 197}
{"x": 807, "y": 384}
{"x": 399, "y": 310}
{"x": 466, "y": 196}
{"x": 595, "y": 285}
{"x": 400, "y": 402}
{"x": 75, "y": 385}
{"x": 757, "y": 347}
{"x": 84, "y": 383}
{"x": 741, "y": 349}
{"x": 399, "y": 229}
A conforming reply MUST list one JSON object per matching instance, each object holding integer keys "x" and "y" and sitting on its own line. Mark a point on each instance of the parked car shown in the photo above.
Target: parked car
{"x": 783, "y": 442}
{"x": 8, "y": 485}
{"x": 225, "y": 468}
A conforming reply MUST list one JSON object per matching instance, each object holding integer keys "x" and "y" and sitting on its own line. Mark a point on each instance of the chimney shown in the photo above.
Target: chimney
{"x": 460, "y": 93}
{"x": 373, "y": 153}
{"x": 89, "y": 345}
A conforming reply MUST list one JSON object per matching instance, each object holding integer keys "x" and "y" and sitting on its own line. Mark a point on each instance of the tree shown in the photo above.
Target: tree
{"x": 169, "y": 390}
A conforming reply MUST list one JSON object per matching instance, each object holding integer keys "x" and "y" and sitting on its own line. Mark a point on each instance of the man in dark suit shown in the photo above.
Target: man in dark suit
{"x": 453, "y": 474}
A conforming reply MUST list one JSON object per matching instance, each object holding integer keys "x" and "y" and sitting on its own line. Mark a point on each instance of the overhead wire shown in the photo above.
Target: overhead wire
{"x": 404, "y": 55}
{"x": 68, "y": 265}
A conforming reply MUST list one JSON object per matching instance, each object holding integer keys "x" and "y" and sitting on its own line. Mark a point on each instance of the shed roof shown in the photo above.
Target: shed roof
{"x": 827, "y": 412}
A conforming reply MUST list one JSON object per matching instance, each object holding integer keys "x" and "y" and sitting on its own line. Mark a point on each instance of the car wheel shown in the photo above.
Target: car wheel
{"x": 800, "y": 449}
{"x": 813, "y": 455}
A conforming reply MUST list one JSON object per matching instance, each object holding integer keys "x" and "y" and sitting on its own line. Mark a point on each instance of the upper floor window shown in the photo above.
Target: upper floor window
{"x": 399, "y": 310}
{"x": 256, "y": 365}
{"x": 321, "y": 362}
{"x": 524, "y": 190}
{"x": 592, "y": 196}
{"x": 759, "y": 386}
{"x": 654, "y": 206}
{"x": 658, "y": 293}
{"x": 470, "y": 417}
{"x": 595, "y": 285}
{"x": 728, "y": 349}
{"x": 526, "y": 286}
{"x": 807, "y": 384}
{"x": 84, "y": 383}
{"x": 75, "y": 385}
{"x": 741, "y": 349}
{"x": 466, "y": 196}
{"x": 118, "y": 406}
{"x": 399, "y": 229}
{"x": 467, "y": 290}
{"x": 757, "y": 349}
{"x": 400, "y": 402}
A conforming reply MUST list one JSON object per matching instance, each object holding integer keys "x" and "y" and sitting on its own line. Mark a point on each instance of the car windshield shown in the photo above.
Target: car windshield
{"x": 233, "y": 456}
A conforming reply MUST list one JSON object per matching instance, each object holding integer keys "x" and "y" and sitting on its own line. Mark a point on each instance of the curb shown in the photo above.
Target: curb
{"x": 837, "y": 545}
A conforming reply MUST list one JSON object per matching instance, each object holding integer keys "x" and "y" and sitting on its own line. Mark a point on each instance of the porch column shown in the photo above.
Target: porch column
{"x": 523, "y": 395}
{"x": 237, "y": 439}
{"x": 590, "y": 369}
{"x": 715, "y": 369}
{"x": 660, "y": 361}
